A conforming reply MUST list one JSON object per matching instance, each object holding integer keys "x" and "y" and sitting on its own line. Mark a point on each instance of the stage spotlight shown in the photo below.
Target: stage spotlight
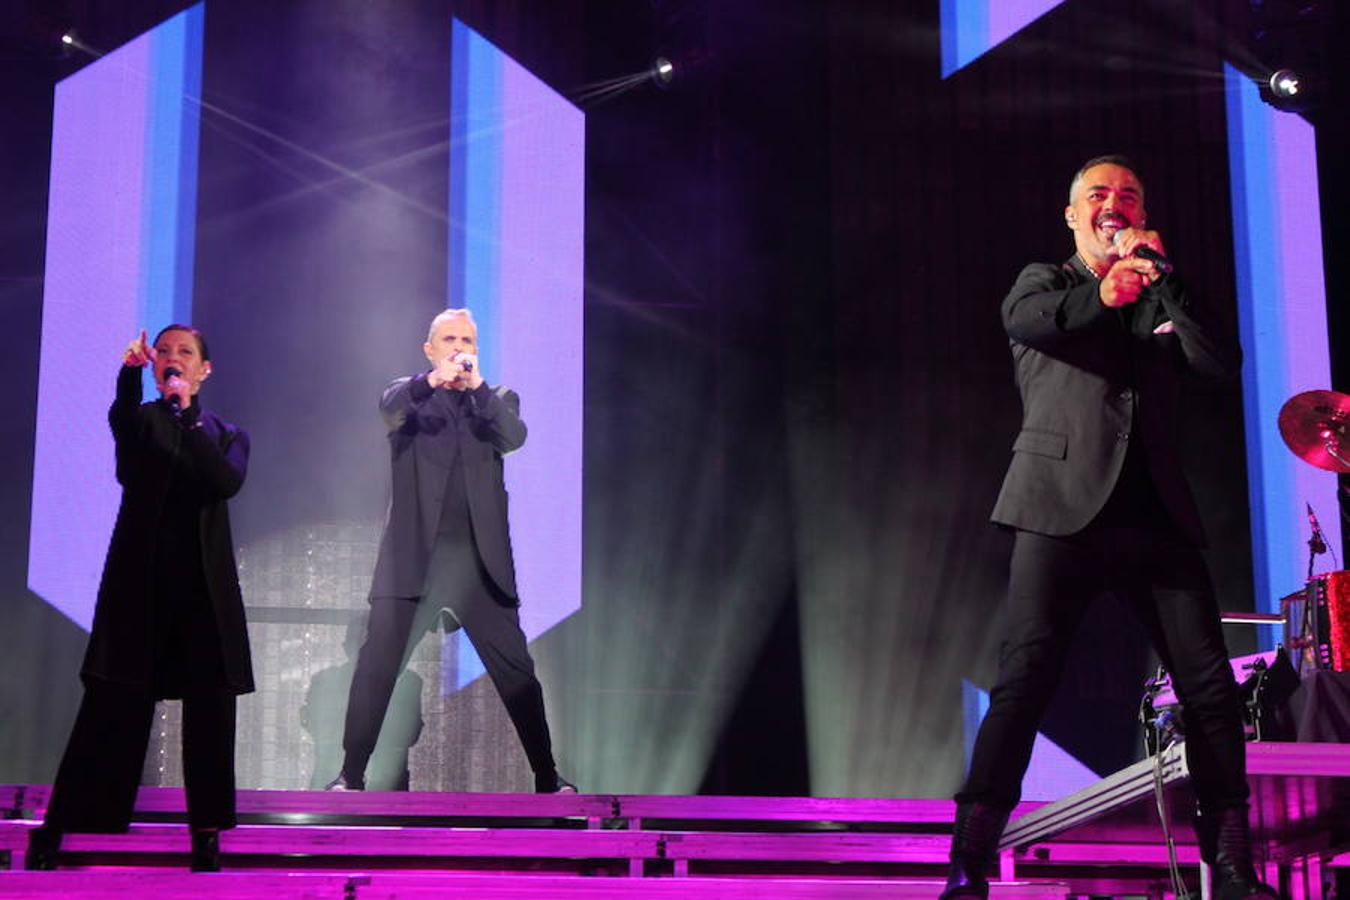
{"x": 1291, "y": 90}
{"x": 1285, "y": 84}
{"x": 662, "y": 71}
{"x": 70, "y": 42}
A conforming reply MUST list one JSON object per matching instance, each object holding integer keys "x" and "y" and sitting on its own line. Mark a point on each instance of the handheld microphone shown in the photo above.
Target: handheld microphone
{"x": 467, "y": 365}
{"x": 1143, "y": 251}
{"x": 175, "y": 403}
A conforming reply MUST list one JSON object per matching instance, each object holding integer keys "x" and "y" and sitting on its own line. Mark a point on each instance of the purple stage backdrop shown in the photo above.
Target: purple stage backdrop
{"x": 1277, "y": 237}
{"x": 517, "y": 204}
{"x": 120, "y": 231}
{"x": 971, "y": 28}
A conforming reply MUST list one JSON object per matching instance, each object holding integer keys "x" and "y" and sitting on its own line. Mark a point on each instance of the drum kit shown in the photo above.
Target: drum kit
{"x": 1316, "y": 618}
{"x": 1315, "y": 425}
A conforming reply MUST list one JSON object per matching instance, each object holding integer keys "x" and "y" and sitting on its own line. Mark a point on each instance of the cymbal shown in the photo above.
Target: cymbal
{"x": 1316, "y": 426}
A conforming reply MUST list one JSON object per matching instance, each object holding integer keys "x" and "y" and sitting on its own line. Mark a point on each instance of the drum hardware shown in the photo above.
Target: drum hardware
{"x": 1315, "y": 425}
{"x": 1265, "y": 683}
{"x": 1264, "y": 693}
{"x": 1317, "y": 628}
{"x": 1160, "y": 714}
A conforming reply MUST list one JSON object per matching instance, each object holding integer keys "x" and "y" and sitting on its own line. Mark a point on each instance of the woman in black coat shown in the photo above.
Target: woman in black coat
{"x": 170, "y": 620}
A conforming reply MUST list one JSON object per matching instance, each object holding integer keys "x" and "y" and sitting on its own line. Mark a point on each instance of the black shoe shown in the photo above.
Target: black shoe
{"x": 44, "y": 846}
{"x": 553, "y": 783}
{"x": 341, "y": 783}
{"x": 974, "y": 848}
{"x": 1232, "y": 884}
{"x": 1225, "y": 843}
{"x": 206, "y": 850}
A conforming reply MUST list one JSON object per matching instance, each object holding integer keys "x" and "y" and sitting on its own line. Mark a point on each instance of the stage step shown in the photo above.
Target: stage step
{"x": 632, "y": 810}
{"x": 623, "y": 842}
{"x": 578, "y": 849}
{"x": 347, "y": 841}
{"x": 120, "y": 885}
{"x": 30, "y": 801}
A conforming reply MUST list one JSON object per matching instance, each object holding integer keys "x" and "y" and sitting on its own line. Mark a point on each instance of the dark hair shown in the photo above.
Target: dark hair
{"x": 1110, "y": 159}
{"x": 190, "y": 329}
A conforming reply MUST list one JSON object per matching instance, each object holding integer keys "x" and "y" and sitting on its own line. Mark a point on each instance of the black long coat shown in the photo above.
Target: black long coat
{"x": 212, "y": 458}
{"x": 422, "y": 422}
{"x": 1094, "y": 381}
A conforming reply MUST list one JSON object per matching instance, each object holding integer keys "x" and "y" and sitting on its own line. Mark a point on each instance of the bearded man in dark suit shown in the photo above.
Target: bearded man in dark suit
{"x": 1097, "y": 502}
{"x": 447, "y": 546}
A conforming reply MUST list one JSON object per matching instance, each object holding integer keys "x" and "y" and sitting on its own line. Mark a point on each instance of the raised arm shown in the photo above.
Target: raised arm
{"x": 1045, "y": 310}
{"x": 401, "y": 397}
{"x": 127, "y": 399}
{"x": 497, "y": 419}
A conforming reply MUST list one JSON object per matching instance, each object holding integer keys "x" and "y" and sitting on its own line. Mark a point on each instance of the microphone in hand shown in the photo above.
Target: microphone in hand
{"x": 1144, "y": 251}
{"x": 455, "y": 371}
{"x": 173, "y": 382}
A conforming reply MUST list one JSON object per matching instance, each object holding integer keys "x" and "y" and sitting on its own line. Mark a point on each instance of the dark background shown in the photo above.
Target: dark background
{"x": 798, "y": 397}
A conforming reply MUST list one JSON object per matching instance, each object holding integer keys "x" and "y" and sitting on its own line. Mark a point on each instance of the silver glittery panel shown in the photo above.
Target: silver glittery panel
{"x": 306, "y": 595}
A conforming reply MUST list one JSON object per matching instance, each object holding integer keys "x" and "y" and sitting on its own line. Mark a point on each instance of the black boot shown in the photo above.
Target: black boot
{"x": 205, "y": 850}
{"x": 343, "y": 783}
{"x": 551, "y": 782}
{"x": 974, "y": 849}
{"x": 44, "y": 846}
{"x": 1226, "y": 844}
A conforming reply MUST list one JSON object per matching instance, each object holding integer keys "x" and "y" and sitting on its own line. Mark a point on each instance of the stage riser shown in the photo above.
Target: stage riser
{"x": 634, "y": 845}
{"x": 1300, "y": 802}
{"x": 379, "y": 886}
{"x": 590, "y": 855}
{"x": 337, "y": 845}
{"x": 626, "y": 808}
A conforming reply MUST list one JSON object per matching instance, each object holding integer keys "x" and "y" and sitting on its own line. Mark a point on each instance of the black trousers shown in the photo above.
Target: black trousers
{"x": 457, "y": 581}
{"x": 1165, "y": 582}
{"x": 95, "y": 787}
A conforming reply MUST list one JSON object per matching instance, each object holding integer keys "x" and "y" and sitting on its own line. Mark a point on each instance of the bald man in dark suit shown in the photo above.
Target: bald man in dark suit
{"x": 447, "y": 546}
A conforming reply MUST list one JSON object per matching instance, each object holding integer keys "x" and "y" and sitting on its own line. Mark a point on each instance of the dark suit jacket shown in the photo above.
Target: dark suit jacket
{"x": 421, "y": 419}
{"x": 212, "y": 459}
{"x": 1095, "y": 380}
